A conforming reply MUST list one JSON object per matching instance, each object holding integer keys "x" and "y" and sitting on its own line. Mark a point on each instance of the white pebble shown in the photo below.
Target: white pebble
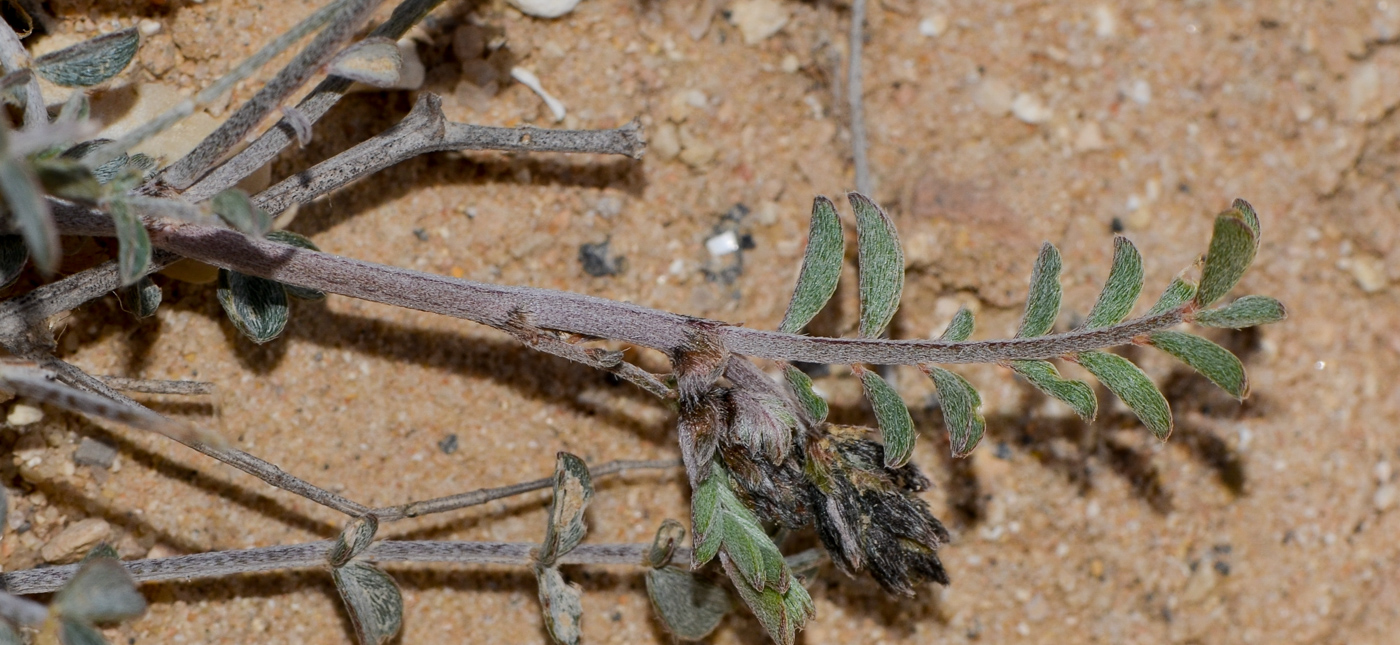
{"x": 758, "y": 20}
{"x": 1385, "y": 497}
{"x": 544, "y": 8}
{"x": 723, "y": 244}
{"x": 1105, "y": 23}
{"x": 1030, "y": 109}
{"x": 23, "y": 414}
{"x": 1382, "y": 471}
{"x": 148, "y": 27}
{"x": 994, "y": 96}
{"x": 933, "y": 26}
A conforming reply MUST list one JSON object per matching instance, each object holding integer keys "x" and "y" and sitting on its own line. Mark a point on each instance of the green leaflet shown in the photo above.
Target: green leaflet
{"x": 1130, "y": 384}
{"x": 573, "y": 489}
{"x": 1043, "y": 302}
{"x": 134, "y": 244}
{"x": 801, "y": 385}
{"x": 89, "y": 62}
{"x": 30, "y": 212}
{"x": 76, "y": 632}
{"x": 821, "y": 267}
{"x": 1246, "y": 211}
{"x": 1121, "y": 290}
{"x": 101, "y": 591}
{"x": 1232, "y": 249}
{"x": 140, "y": 299}
{"x": 1178, "y": 293}
{"x": 236, "y": 208}
{"x": 881, "y": 265}
{"x": 663, "y": 546}
{"x": 959, "y": 328}
{"x": 13, "y": 256}
{"x": 721, "y": 521}
{"x": 372, "y": 599}
{"x": 1076, "y": 394}
{"x": 301, "y": 242}
{"x": 1248, "y": 311}
{"x": 782, "y": 613}
{"x": 893, "y": 416}
{"x": 689, "y": 608}
{"x": 1212, "y": 361}
{"x": 256, "y": 306}
{"x": 960, "y": 403}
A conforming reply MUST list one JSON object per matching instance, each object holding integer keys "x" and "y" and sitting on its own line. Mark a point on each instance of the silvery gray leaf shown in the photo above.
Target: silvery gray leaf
{"x": 76, "y": 632}
{"x": 800, "y": 385}
{"x": 562, "y": 605}
{"x": 960, "y": 403}
{"x": 573, "y": 488}
{"x": 140, "y": 299}
{"x": 896, "y": 425}
{"x": 960, "y": 327}
{"x": 373, "y": 601}
{"x": 373, "y": 61}
{"x": 90, "y": 62}
{"x": 1248, "y": 311}
{"x": 67, "y": 179}
{"x": 301, "y": 125}
{"x": 1232, "y": 250}
{"x": 133, "y": 243}
{"x": 353, "y": 540}
{"x": 689, "y": 608}
{"x": 1178, "y": 293}
{"x": 101, "y": 591}
{"x": 256, "y": 306}
{"x": 236, "y": 208}
{"x": 1076, "y": 394}
{"x": 1210, "y": 360}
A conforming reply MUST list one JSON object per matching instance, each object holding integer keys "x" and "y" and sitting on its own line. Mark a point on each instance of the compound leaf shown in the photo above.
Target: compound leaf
{"x": 1121, "y": 290}
{"x": 1043, "y": 301}
{"x": 881, "y": 265}
{"x": 1076, "y": 394}
{"x": 1212, "y": 361}
{"x": 821, "y": 267}
{"x": 1131, "y": 384}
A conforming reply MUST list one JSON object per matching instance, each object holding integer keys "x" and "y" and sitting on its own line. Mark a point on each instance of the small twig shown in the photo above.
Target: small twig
{"x": 313, "y": 107}
{"x": 266, "y": 471}
{"x": 313, "y": 555}
{"x": 426, "y": 130}
{"x": 352, "y": 14}
{"x": 855, "y": 89}
{"x": 476, "y": 497}
{"x": 156, "y": 386}
{"x": 14, "y": 57}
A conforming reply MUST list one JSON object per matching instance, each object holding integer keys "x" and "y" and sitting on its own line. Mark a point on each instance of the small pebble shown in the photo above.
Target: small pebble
{"x": 544, "y": 8}
{"x": 1369, "y": 273}
{"x": 76, "y": 540}
{"x": 449, "y": 444}
{"x": 1089, "y": 138}
{"x": 994, "y": 96}
{"x": 1385, "y": 497}
{"x": 664, "y": 142}
{"x": 758, "y": 20}
{"x": 790, "y": 64}
{"x": 1030, "y": 109}
{"x": 722, "y": 244}
{"x": 933, "y": 26}
{"x": 23, "y": 414}
{"x": 148, "y": 27}
{"x": 1140, "y": 92}
{"x": 92, "y": 452}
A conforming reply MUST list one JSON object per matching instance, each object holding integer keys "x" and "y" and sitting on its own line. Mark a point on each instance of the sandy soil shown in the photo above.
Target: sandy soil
{"x": 993, "y": 126}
